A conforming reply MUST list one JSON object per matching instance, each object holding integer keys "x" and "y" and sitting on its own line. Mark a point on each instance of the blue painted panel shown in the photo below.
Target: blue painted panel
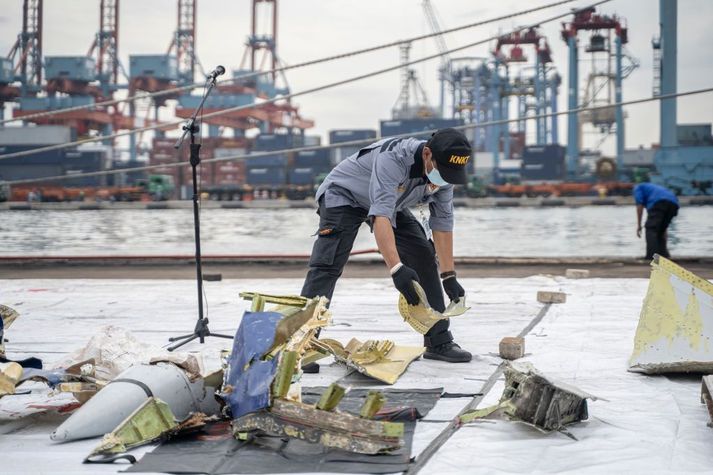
{"x": 77, "y": 68}
{"x": 163, "y": 66}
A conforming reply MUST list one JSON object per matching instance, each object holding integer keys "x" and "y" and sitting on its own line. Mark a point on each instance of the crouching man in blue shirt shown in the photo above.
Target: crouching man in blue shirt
{"x": 378, "y": 185}
{"x": 661, "y": 207}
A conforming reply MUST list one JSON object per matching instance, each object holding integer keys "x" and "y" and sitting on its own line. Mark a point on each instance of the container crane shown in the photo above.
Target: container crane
{"x": 445, "y": 66}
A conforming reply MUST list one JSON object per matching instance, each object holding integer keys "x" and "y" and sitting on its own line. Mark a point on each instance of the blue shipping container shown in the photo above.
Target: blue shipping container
{"x": 267, "y": 142}
{"x": 340, "y": 136}
{"x": 543, "y": 163}
{"x": 22, "y": 172}
{"x": 302, "y": 176}
{"x": 267, "y": 161}
{"x": 50, "y": 157}
{"x": 266, "y": 176}
{"x": 88, "y": 160}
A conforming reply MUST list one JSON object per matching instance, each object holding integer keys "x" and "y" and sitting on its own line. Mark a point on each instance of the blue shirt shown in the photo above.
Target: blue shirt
{"x": 648, "y": 194}
{"x": 385, "y": 178}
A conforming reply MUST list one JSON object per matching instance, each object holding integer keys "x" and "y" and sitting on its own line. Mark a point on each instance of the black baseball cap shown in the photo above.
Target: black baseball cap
{"x": 451, "y": 150}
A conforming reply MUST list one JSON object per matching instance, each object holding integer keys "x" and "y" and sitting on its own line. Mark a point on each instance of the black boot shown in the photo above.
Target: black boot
{"x": 449, "y": 352}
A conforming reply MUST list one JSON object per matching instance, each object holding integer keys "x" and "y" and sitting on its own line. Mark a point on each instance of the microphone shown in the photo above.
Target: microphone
{"x": 218, "y": 71}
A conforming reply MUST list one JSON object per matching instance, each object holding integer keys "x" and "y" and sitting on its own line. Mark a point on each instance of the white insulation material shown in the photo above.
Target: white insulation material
{"x": 648, "y": 424}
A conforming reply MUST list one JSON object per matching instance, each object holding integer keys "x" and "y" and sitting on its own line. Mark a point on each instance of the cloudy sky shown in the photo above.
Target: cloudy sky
{"x": 311, "y": 29}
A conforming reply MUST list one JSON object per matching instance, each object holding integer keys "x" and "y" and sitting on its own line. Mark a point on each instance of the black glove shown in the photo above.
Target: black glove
{"x": 403, "y": 281}
{"x": 453, "y": 288}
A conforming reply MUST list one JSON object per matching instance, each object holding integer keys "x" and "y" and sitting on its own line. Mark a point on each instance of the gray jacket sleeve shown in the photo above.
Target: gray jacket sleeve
{"x": 441, "y": 208}
{"x": 387, "y": 174}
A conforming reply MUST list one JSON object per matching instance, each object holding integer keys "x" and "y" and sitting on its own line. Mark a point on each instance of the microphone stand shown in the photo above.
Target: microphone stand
{"x": 201, "y": 330}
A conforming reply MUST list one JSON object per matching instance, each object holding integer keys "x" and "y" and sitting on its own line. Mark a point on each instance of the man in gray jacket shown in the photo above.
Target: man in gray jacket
{"x": 378, "y": 185}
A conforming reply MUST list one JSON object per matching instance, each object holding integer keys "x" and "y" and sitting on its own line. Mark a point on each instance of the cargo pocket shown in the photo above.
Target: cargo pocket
{"x": 325, "y": 249}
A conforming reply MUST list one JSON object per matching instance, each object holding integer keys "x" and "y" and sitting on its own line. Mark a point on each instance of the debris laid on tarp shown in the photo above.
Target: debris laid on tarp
{"x": 115, "y": 349}
{"x": 576, "y": 273}
{"x": 10, "y": 375}
{"x": 675, "y": 330}
{"x": 379, "y": 359}
{"x": 544, "y": 296}
{"x": 707, "y": 396}
{"x": 422, "y": 317}
{"x": 262, "y": 386}
{"x": 536, "y": 400}
{"x": 512, "y": 347}
{"x": 150, "y": 422}
{"x": 214, "y": 450}
{"x": 123, "y": 395}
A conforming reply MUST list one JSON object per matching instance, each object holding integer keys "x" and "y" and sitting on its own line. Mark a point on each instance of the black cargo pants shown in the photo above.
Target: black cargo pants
{"x": 658, "y": 219}
{"x": 338, "y": 227}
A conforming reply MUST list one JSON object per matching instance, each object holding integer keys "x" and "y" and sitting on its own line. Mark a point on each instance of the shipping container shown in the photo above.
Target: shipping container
{"x": 276, "y": 160}
{"x": 545, "y": 163}
{"x": 694, "y": 135}
{"x": 312, "y": 141}
{"x": 413, "y": 126}
{"x": 266, "y": 176}
{"x": 267, "y": 142}
{"x": 340, "y": 154}
{"x": 7, "y": 74}
{"x": 25, "y": 171}
{"x": 340, "y": 136}
{"x": 302, "y": 176}
{"x": 35, "y": 136}
{"x": 316, "y": 159}
{"x": 642, "y": 157}
{"x": 48, "y": 157}
{"x": 55, "y": 102}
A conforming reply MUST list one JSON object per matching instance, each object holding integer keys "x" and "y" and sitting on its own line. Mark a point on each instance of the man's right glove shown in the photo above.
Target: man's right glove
{"x": 403, "y": 281}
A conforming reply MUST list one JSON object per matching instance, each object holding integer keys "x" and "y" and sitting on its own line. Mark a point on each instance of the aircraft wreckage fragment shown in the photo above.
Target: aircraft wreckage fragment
{"x": 536, "y": 400}
{"x": 150, "y": 422}
{"x": 129, "y": 391}
{"x": 378, "y": 359}
{"x": 261, "y": 385}
{"x": 422, "y": 317}
{"x": 676, "y": 324}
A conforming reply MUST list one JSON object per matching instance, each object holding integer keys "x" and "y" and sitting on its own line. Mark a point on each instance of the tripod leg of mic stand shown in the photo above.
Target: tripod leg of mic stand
{"x": 189, "y": 339}
{"x": 220, "y": 335}
{"x": 176, "y": 338}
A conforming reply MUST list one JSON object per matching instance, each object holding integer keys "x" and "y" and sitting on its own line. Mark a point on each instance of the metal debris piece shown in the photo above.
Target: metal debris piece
{"x": 551, "y": 297}
{"x": 7, "y": 317}
{"x": 372, "y": 404}
{"x": 534, "y": 399}
{"x": 146, "y": 424}
{"x": 10, "y": 375}
{"x": 422, "y": 317}
{"x": 285, "y": 372}
{"x": 331, "y": 429}
{"x": 378, "y": 359}
{"x": 82, "y": 392}
{"x": 576, "y": 273}
{"x": 120, "y": 398}
{"x": 676, "y": 324}
{"x": 512, "y": 347}
{"x": 707, "y": 396}
{"x": 331, "y": 397}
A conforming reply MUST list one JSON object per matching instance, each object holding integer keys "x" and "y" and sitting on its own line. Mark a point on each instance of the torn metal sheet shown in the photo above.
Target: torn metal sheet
{"x": 379, "y": 359}
{"x": 331, "y": 429}
{"x": 422, "y": 317}
{"x": 536, "y": 400}
{"x": 118, "y": 399}
{"x": 675, "y": 331}
{"x": 146, "y": 424}
{"x": 707, "y": 396}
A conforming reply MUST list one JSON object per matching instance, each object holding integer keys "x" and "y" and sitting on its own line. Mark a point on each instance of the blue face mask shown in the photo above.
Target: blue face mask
{"x": 435, "y": 178}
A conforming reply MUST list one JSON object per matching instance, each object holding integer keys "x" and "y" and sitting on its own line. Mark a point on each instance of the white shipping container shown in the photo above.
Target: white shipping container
{"x": 38, "y": 135}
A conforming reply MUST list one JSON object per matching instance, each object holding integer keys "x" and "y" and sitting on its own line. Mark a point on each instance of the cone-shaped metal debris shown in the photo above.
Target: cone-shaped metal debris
{"x": 102, "y": 413}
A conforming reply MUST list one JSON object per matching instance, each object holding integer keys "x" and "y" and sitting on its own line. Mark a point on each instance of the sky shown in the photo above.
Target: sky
{"x": 309, "y": 29}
